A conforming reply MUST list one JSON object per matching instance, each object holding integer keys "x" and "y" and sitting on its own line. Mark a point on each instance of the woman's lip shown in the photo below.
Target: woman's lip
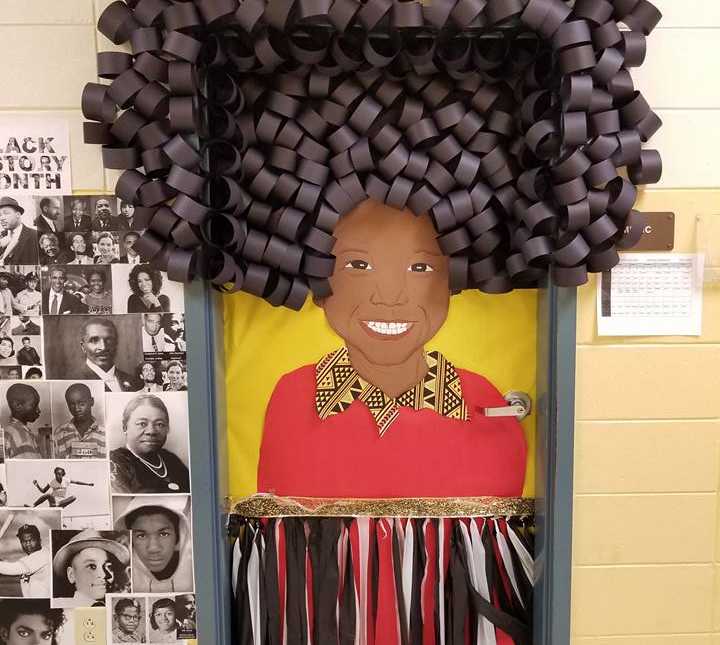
{"x": 387, "y": 330}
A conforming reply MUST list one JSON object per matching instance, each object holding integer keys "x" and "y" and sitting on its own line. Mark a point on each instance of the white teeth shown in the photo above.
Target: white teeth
{"x": 388, "y": 329}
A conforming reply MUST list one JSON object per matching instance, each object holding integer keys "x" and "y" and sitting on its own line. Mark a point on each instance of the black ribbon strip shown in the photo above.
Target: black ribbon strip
{"x": 312, "y": 106}
{"x": 242, "y": 621}
{"x": 323, "y": 547}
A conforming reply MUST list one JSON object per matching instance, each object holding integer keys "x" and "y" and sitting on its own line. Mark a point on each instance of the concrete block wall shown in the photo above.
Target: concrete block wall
{"x": 646, "y": 544}
{"x": 49, "y": 54}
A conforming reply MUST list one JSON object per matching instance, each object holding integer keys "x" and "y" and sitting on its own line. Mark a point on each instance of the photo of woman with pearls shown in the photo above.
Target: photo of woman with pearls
{"x": 150, "y": 446}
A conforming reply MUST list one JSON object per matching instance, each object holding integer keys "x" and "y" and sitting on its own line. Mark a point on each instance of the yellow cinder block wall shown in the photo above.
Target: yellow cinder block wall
{"x": 646, "y": 530}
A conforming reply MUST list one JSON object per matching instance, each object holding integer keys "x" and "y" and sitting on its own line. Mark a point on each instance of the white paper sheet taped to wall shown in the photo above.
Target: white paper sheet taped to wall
{"x": 652, "y": 294}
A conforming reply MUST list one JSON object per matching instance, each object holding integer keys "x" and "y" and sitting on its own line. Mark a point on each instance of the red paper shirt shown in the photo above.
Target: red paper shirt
{"x": 422, "y": 454}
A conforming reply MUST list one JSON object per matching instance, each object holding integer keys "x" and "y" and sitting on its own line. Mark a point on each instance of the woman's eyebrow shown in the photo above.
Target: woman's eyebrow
{"x": 353, "y": 250}
{"x": 426, "y": 252}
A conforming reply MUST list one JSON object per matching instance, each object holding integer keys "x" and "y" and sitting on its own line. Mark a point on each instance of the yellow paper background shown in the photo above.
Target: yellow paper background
{"x": 492, "y": 335}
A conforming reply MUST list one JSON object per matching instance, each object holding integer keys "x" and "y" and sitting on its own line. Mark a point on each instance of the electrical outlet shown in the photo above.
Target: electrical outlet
{"x": 90, "y": 626}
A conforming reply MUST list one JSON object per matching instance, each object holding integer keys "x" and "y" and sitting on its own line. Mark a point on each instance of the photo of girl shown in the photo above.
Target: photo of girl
{"x": 7, "y": 351}
{"x": 107, "y": 248}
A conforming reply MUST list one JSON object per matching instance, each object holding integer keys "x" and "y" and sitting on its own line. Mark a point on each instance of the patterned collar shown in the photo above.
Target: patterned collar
{"x": 337, "y": 385}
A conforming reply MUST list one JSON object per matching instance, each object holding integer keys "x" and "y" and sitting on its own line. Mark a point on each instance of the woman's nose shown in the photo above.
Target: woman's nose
{"x": 390, "y": 289}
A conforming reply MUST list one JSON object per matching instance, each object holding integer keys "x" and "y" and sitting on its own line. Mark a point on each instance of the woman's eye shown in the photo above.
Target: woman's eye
{"x": 420, "y": 267}
{"x": 361, "y": 265}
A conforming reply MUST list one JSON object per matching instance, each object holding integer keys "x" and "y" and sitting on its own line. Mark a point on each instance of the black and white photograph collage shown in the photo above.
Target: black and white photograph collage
{"x": 95, "y": 506}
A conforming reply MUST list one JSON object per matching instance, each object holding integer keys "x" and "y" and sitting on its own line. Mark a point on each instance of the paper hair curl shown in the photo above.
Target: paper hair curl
{"x": 506, "y": 120}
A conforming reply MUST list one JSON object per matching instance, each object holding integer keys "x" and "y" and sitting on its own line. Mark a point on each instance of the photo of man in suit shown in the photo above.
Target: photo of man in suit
{"x": 26, "y": 327}
{"x": 18, "y": 243}
{"x": 130, "y": 255}
{"x": 154, "y": 337}
{"x": 55, "y": 300}
{"x": 99, "y": 344}
{"x": 78, "y": 220}
{"x": 49, "y": 218}
{"x": 104, "y": 220}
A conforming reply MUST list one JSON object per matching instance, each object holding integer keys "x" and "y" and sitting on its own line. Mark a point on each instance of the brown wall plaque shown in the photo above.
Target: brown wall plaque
{"x": 658, "y": 233}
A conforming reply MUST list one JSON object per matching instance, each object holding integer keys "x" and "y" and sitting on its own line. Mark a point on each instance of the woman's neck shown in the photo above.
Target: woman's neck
{"x": 393, "y": 380}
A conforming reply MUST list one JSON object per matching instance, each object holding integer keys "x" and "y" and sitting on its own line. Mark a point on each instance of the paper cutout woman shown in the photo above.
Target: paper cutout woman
{"x": 381, "y": 417}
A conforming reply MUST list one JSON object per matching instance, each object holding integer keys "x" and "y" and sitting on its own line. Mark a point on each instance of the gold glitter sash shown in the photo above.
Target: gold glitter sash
{"x": 265, "y": 505}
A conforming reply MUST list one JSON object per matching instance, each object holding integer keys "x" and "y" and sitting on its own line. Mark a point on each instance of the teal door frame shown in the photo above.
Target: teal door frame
{"x": 555, "y": 411}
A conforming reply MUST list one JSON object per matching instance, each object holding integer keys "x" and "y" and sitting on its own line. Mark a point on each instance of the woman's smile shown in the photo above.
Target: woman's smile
{"x": 387, "y": 330}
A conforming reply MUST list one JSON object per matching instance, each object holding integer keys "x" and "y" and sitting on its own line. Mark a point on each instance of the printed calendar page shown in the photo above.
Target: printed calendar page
{"x": 652, "y": 294}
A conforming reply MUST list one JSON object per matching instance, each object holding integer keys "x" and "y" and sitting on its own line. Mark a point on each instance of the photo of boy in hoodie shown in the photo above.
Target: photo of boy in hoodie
{"x": 161, "y": 541}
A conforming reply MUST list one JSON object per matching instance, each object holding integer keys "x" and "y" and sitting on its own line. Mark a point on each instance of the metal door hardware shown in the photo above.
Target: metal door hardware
{"x": 519, "y": 405}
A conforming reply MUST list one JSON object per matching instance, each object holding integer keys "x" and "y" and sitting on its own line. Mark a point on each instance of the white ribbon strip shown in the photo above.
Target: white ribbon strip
{"x": 236, "y": 558}
{"x": 486, "y": 630}
{"x": 526, "y": 560}
{"x": 507, "y": 561}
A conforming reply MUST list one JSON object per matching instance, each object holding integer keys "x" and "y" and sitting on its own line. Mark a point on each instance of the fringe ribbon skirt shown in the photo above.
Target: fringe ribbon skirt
{"x": 382, "y": 581}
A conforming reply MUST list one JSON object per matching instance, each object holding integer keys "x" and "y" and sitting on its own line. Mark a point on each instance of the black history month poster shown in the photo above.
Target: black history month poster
{"x": 34, "y": 156}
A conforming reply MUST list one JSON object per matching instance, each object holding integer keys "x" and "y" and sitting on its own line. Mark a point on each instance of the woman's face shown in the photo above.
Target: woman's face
{"x": 32, "y": 284}
{"x": 165, "y": 618}
{"x": 390, "y": 285}
{"x": 147, "y": 429}
{"x": 129, "y": 619}
{"x": 6, "y": 348}
{"x": 78, "y": 244}
{"x": 144, "y": 282}
{"x": 148, "y": 372}
{"x": 174, "y": 374}
{"x": 105, "y": 246}
{"x": 96, "y": 283}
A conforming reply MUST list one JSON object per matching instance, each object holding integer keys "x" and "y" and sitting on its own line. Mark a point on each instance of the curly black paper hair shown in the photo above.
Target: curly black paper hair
{"x": 515, "y": 124}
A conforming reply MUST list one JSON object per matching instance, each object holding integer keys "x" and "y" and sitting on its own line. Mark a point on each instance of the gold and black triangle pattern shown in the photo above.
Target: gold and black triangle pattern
{"x": 337, "y": 385}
